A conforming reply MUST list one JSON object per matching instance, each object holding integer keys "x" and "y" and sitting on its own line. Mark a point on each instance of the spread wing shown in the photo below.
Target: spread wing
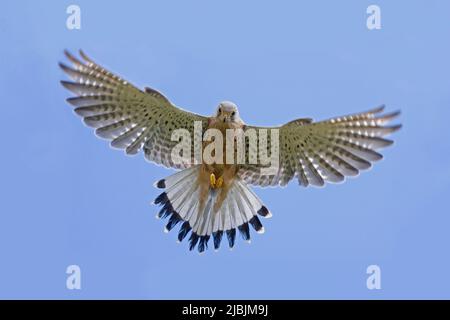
{"x": 316, "y": 152}
{"x": 131, "y": 118}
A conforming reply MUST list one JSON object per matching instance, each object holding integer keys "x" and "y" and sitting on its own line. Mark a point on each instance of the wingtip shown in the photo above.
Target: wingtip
{"x": 378, "y": 109}
{"x": 63, "y": 66}
{"x": 71, "y": 100}
{"x": 396, "y": 113}
{"x": 83, "y": 55}
{"x": 396, "y": 127}
{"x": 69, "y": 55}
{"x": 389, "y": 116}
{"x": 66, "y": 84}
{"x": 72, "y": 58}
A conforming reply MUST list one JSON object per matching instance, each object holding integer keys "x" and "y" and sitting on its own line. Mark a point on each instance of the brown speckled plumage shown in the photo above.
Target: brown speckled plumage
{"x": 135, "y": 120}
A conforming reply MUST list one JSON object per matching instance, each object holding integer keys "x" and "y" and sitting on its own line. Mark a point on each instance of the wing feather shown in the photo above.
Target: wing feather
{"x": 131, "y": 118}
{"x": 325, "y": 151}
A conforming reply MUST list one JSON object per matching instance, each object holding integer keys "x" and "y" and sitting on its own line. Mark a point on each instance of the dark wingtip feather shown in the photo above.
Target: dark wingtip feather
{"x": 64, "y": 67}
{"x": 67, "y": 53}
{"x": 73, "y": 59}
{"x": 82, "y": 54}
{"x": 396, "y": 127}
{"x": 376, "y": 156}
{"x": 75, "y": 101}
{"x": 66, "y": 84}
{"x": 73, "y": 87}
{"x": 387, "y": 142}
{"x": 378, "y": 109}
{"x": 392, "y": 115}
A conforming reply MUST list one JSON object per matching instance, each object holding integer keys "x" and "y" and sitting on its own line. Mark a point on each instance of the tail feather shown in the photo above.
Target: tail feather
{"x": 217, "y": 237}
{"x": 184, "y": 230}
{"x": 180, "y": 202}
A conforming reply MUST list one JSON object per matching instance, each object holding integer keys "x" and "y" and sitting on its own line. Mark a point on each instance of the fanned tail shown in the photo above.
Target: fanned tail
{"x": 180, "y": 203}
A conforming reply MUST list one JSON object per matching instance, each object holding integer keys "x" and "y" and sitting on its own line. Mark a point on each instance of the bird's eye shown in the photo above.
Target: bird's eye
{"x": 220, "y": 110}
{"x": 233, "y": 113}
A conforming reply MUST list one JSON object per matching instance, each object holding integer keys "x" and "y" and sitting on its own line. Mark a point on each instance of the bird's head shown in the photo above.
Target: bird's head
{"x": 227, "y": 112}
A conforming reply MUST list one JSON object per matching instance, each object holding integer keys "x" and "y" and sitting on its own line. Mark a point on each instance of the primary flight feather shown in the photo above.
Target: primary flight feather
{"x": 213, "y": 199}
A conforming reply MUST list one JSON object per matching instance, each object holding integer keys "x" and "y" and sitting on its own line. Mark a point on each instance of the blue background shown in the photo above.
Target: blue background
{"x": 67, "y": 198}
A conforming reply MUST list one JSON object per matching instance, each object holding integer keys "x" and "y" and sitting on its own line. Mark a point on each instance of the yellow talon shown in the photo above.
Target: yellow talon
{"x": 215, "y": 183}
{"x": 212, "y": 180}
{"x": 219, "y": 182}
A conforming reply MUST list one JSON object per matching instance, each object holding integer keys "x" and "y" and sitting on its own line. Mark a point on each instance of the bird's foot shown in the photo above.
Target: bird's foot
{"x": 215, "y": 183}
{"x": 219, "y": 182}
{"x": 212, "y": 180}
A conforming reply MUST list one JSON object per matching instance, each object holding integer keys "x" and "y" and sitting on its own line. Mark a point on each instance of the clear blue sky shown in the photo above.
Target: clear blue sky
{"x": 67, "y": 198}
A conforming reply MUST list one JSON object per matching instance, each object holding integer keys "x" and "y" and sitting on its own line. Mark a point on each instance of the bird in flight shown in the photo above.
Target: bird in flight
{"x": 213, "y": 198}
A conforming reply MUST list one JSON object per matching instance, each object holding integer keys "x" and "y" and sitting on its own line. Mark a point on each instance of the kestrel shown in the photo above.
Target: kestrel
{"x": 214, "y": 198}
